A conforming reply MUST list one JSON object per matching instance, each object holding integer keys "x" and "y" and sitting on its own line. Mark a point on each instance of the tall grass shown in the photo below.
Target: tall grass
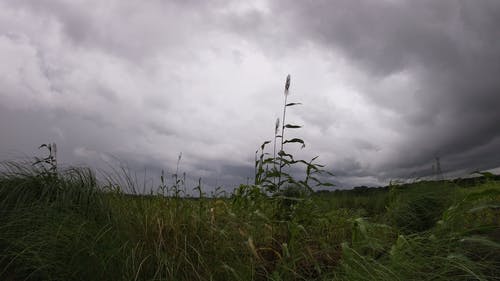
{"x": 275, "y": 179}
{"x": 71, "y": 227}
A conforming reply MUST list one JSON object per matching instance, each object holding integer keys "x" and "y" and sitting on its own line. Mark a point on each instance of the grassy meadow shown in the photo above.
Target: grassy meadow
{"x": 65, "y": 225}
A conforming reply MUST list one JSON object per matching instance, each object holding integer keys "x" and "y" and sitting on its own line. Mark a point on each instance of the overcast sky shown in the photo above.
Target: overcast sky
{"x": 386, "y": 85}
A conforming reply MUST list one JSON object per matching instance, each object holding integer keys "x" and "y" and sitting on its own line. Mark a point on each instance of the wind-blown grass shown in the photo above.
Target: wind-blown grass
{"x": 70, "y": 227}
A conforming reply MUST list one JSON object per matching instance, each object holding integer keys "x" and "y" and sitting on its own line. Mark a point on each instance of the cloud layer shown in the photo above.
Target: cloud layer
{"x": 387, "y": 85}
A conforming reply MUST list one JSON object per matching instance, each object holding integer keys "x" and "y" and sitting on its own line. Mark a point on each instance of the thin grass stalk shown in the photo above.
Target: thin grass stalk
{"x": 276, "y": 130}
{"x": 287, "y": 86}
{"x": 256, "y": 180}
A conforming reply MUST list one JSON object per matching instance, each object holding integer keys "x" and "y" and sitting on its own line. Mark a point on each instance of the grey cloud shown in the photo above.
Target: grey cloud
{"x": 128, "y": 29}
{"x": 349, "y": 167}
{"x": 386, "y": 85}
{"x": 449, "y": 48}
{"x": 160, "y": 129}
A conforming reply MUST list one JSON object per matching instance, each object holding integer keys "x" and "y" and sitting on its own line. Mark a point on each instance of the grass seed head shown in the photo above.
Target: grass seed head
{"x": 287, "y": 84}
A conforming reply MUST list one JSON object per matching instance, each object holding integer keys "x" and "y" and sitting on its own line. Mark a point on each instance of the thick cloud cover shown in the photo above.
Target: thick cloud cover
{"x": 433, "y": 64}
{"x": 386, "y": 85}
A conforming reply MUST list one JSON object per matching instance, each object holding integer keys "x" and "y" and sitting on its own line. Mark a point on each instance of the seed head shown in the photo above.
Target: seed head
{"x": 287, "y": 84}
{"x": 276, "y": 126}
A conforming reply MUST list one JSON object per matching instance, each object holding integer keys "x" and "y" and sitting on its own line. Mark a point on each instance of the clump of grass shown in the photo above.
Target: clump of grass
{"x": 419, "y": 206}
{"x": 460, "y": 246}
{"x": 275, "y": 178}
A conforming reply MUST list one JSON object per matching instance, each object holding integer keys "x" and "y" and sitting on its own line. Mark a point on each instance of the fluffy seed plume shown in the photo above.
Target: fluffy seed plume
{"x": 287, "y": 84}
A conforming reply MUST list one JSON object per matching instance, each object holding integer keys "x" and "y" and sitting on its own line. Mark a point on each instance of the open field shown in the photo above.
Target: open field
{"x": 216, "y": 140}
{"x": 66, "y": 226}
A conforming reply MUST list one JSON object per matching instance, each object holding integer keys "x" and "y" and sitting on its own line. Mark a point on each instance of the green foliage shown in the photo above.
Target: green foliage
{"x": 77, "y": 229}
{"x": 47, "y": 166}
{"x": 270, "y": 169}
{"x": 418, "y": 207}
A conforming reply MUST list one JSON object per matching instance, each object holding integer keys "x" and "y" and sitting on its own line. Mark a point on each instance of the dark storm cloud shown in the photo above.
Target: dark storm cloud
{"x": 386, "y": 85}
{"x": 450, "y": 48}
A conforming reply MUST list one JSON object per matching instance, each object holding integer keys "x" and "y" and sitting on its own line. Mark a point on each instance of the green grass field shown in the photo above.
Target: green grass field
{"x": 65, "y": 225}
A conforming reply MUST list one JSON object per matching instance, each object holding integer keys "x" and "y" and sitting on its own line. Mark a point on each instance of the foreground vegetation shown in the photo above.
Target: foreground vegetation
{"x": 64, "y": 225}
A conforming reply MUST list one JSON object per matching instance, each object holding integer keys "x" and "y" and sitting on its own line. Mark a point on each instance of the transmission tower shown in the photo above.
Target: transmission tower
{"x": 437, "y": 172}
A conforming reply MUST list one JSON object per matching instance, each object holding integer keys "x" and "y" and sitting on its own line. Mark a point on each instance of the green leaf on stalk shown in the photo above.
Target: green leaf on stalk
{"x": 273, "y": 174}
{"x": 264, "y": 144}
{"x": 295, "y": 140}
{"x": 284, "y": 154}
